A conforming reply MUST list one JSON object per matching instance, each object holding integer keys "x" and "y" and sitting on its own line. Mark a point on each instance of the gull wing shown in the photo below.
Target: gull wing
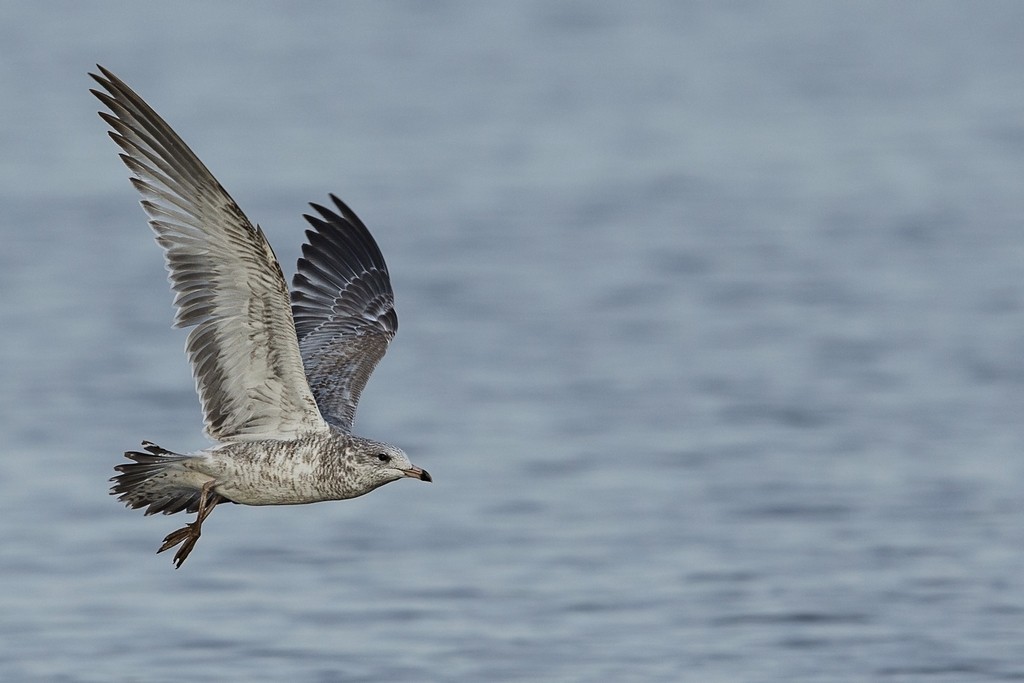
{"x": 227, "y": 281}
{"x": 344, "y": 310}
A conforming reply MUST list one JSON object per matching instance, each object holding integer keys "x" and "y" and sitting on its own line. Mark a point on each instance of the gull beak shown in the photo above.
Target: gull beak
{"x": 417, "y": 473}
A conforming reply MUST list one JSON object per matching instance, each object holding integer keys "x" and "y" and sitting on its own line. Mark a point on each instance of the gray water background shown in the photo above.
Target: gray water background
{"x": 712, "y": 336}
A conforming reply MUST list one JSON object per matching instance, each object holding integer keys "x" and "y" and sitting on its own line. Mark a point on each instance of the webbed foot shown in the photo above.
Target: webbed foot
{"x": 190, "y": 533}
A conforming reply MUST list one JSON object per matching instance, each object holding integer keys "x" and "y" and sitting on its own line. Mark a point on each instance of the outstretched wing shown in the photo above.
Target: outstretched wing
{"x": 344, "y": 310}
{"x": 229, "y": 286}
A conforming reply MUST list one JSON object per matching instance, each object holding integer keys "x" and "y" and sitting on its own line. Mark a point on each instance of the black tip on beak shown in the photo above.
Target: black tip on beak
{"x": 417, "y": 473}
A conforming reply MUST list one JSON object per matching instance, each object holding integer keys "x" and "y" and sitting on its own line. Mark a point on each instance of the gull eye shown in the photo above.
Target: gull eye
{"x": 384, "y": 457}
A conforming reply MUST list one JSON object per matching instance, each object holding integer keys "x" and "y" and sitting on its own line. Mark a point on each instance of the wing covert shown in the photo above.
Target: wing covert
{"x": 227, "y": 281}
{"x": 343, "y": 307}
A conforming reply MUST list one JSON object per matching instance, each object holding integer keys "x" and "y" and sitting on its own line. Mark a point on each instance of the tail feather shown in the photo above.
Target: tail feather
{"x": 154, "y": 479}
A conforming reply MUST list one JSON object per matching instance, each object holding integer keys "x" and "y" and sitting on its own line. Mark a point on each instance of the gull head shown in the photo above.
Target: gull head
{"x": 376, "y": 463}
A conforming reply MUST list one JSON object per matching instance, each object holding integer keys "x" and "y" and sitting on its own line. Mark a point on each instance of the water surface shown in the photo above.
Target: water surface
{"x": 712, "y": 322}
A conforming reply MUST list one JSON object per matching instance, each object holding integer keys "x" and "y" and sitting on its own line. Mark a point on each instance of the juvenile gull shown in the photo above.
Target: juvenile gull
{"x": 279, "y": 379}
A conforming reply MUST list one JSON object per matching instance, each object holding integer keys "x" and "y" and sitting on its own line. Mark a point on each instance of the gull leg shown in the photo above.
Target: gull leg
{"x": 189, "y": 534}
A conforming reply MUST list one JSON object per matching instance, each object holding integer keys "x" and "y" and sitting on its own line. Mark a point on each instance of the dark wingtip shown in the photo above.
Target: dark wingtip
{"x": 104, "y": 77}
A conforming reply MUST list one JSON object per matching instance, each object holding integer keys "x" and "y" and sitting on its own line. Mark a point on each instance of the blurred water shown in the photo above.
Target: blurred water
{"x": 711, "y": 336}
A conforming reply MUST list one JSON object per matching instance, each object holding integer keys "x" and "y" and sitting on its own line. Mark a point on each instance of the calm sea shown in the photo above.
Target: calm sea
{"x": 712, "y": 336}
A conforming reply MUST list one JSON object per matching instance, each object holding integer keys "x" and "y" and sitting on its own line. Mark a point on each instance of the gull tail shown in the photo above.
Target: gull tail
{"x": 159, "y": 479}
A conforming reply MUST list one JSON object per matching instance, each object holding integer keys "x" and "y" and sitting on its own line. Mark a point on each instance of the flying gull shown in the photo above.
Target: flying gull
{"x": 278, "y": 378}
